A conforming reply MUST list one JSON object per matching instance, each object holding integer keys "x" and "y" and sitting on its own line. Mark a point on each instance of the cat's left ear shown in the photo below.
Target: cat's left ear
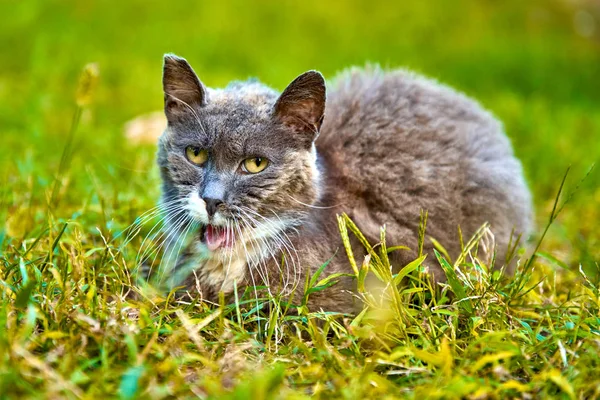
{"x": 301, "y": 106}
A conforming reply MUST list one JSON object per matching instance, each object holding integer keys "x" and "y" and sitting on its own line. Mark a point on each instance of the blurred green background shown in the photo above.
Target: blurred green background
{"x": 535, "y": 64}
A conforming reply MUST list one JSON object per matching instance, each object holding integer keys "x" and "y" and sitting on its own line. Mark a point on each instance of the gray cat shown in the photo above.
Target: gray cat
{"x": 256, "y": 178}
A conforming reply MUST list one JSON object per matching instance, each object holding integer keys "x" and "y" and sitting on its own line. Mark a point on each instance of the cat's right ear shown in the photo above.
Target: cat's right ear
{"x": 183, "y": 90}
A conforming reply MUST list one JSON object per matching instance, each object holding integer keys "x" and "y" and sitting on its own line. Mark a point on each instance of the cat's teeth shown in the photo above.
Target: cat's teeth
{"x": 216, "y": 236}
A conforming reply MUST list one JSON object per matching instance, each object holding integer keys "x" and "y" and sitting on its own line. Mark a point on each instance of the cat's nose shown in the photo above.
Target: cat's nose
{"x": 212, "y": 205}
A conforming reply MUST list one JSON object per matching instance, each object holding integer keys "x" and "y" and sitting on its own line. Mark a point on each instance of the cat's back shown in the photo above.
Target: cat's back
{"x": 401, "y": 110}
{"x": 395, "y": 143}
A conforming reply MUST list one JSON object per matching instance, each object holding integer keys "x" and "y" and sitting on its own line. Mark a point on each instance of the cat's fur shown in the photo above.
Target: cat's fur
{"x": 390, "y": 145}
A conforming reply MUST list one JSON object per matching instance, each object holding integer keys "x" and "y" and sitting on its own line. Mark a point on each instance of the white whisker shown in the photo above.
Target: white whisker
{"x": 313, "y": 206}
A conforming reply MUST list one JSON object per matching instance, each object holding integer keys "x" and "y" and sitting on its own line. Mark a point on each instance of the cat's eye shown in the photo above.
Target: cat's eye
{"x": 254, "y": 165}
{"x": 196, "y": 155}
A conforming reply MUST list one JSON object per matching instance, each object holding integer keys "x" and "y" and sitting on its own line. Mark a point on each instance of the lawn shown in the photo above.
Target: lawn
{"x": 71, "y": 185}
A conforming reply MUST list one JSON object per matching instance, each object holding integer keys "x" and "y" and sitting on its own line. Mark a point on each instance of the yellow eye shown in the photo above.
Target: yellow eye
{"x": 196, "y": 155}
{"x": 255, "y": 164}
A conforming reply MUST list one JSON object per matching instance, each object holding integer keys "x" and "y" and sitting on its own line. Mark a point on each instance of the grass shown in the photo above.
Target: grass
{"x": 70, "y": 186}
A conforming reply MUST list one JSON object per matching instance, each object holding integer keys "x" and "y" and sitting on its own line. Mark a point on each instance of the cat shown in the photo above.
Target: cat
{"x": 256, "y": 178}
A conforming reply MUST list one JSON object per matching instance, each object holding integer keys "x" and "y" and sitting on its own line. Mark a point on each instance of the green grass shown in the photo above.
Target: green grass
{"x": 70, "y": 185}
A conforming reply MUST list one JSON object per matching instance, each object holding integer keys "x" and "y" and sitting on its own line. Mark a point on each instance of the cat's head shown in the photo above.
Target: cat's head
{"x": 239, "y": 161}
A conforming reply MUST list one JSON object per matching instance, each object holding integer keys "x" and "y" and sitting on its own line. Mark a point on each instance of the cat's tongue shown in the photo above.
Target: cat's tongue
{"x": 217, "y": 236}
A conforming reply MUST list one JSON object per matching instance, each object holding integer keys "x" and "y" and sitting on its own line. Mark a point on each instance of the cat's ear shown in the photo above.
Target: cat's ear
{"x": 301, "y": 106}
{"x": 183, "y": 90}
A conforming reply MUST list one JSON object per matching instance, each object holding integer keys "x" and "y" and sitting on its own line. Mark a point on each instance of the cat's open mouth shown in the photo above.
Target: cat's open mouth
{"x": 218, "y": 236}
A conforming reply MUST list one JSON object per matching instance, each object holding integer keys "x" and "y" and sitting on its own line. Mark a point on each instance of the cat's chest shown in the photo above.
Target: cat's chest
{"x": 227, "y": 268}
{"x": 224, "y": 274}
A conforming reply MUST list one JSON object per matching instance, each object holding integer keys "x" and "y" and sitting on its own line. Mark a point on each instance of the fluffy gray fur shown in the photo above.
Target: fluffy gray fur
{"x": 383, "y": 147}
